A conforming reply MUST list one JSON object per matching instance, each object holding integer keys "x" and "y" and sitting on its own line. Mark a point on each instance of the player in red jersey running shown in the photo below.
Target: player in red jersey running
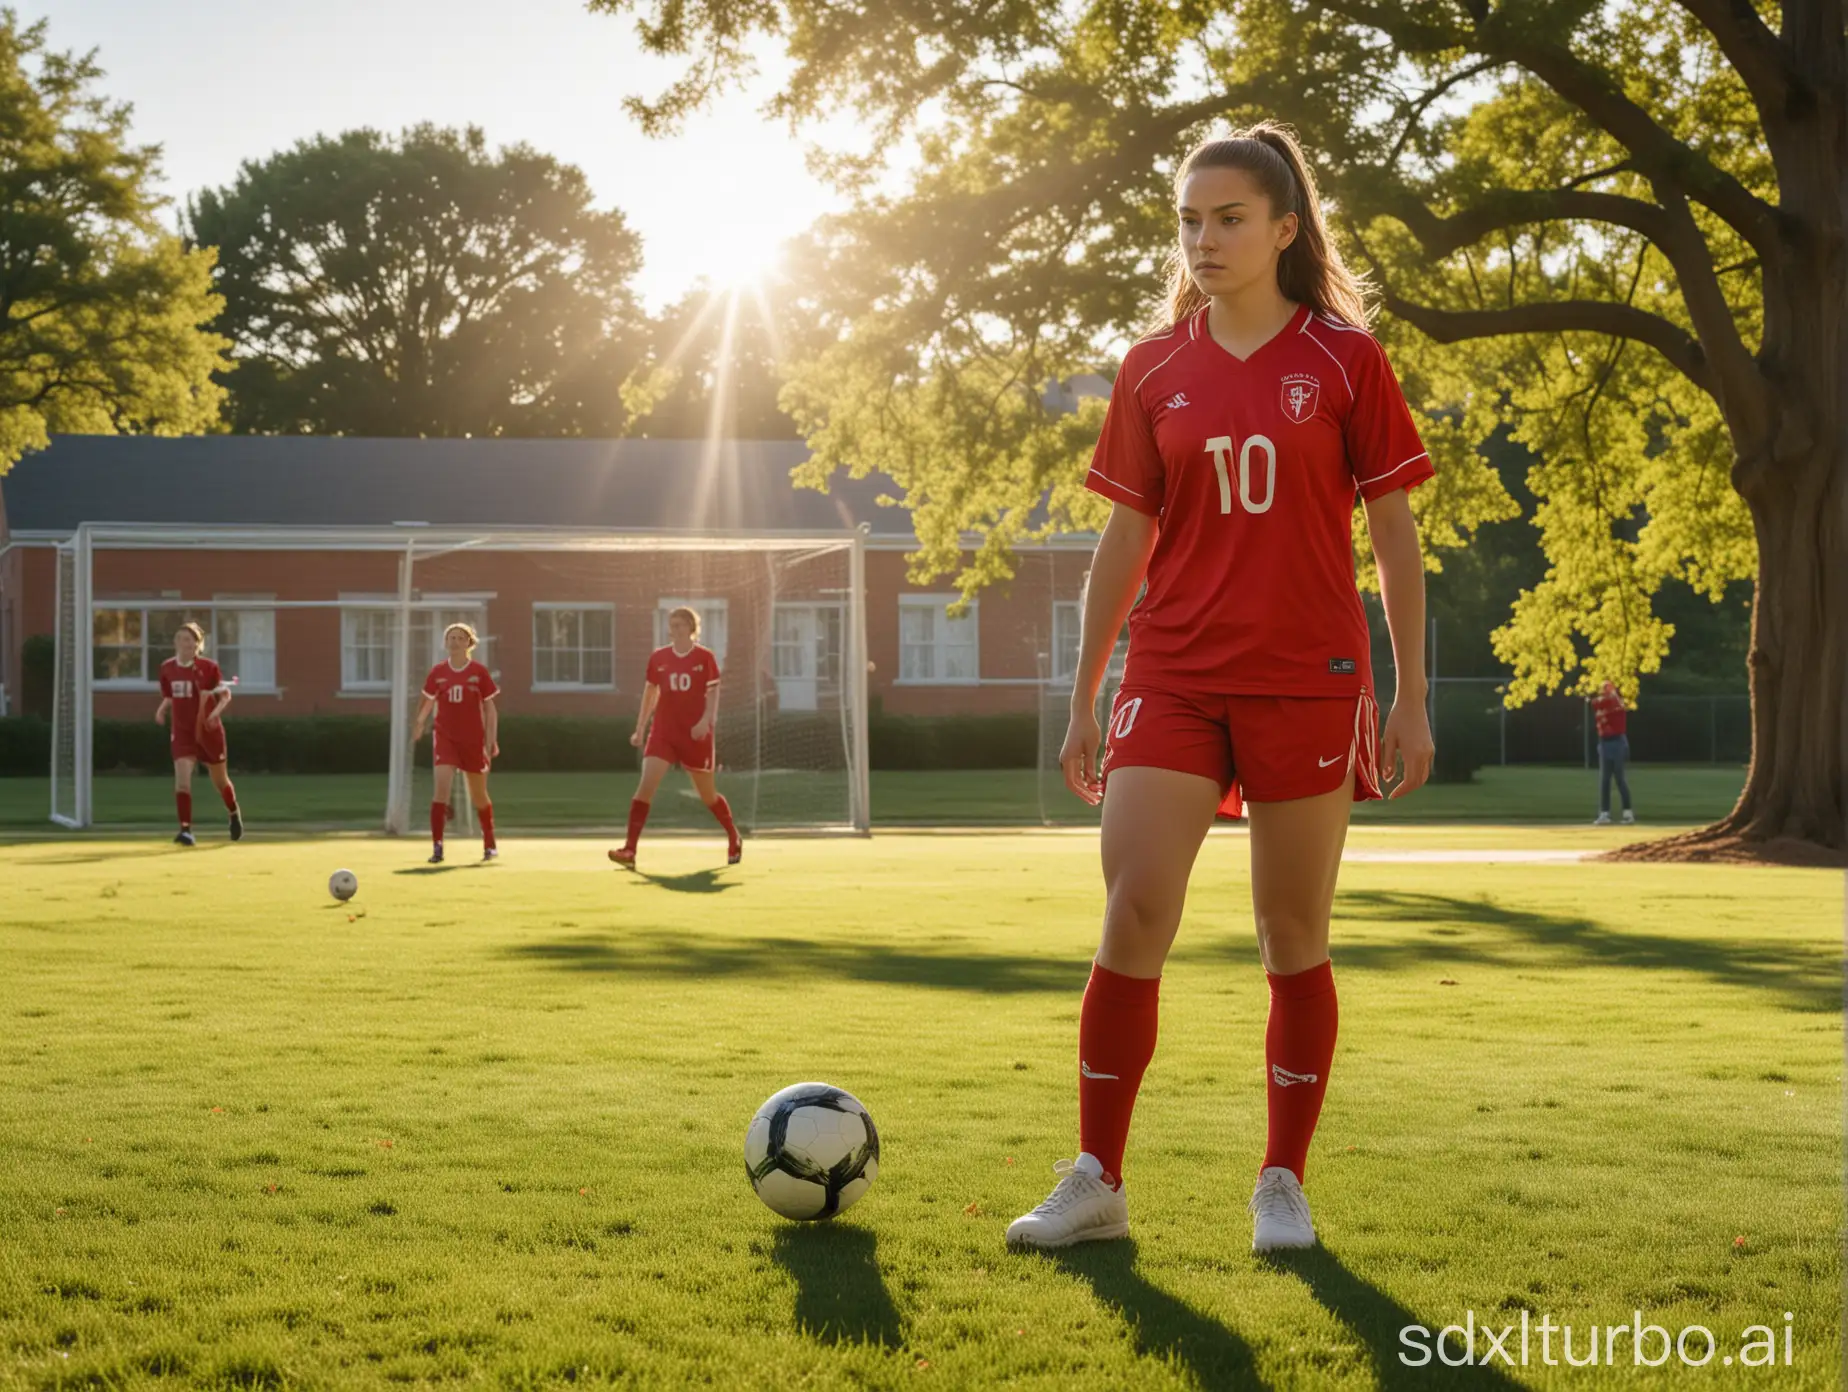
{"x": 194, "y": 691}
{"x": 461, "y": 691}
{"x": 1236, "y": 443}
{"x": 681, "y": 693}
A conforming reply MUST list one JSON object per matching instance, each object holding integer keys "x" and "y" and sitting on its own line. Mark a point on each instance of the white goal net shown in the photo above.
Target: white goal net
{"x": 353, "y": 620}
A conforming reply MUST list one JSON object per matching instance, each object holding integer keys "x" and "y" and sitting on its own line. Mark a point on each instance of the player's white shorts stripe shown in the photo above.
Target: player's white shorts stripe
{"x": 1112, "y": 482}
{"x": 1422, "y": 454}
{"x": 1331, "y": 357}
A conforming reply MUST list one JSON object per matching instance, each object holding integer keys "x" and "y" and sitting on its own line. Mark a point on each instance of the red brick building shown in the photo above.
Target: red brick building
{"x": 567, "y": 631}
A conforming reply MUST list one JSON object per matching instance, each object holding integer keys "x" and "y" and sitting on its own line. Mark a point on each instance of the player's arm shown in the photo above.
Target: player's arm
{"x": 216, "y": 702}
{"x": 160, "y": 711}
{"x": 1407, "y": 736}
{"x": 703, "y": 726}
{"x": 490, "y": 727}
{"x": 651, "y": 694}
{"x": 1117, "y": 568}
{"x": 424, "y": 707}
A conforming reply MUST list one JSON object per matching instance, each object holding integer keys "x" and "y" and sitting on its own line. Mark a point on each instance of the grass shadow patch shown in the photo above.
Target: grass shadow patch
{"x": 684, "y": 959}
{"x": 841, "y": 1297}
{"x": 1375, "y": 1319}
{"x": 1163, "y": 1326}
{"x": 693, "y": 882}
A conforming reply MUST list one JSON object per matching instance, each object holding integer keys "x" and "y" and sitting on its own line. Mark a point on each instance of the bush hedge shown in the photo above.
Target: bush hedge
{"x": 534, "y": 743}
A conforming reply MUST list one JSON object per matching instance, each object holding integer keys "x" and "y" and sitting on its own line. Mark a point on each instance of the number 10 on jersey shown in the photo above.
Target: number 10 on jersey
{"x": 1220, "y": 447}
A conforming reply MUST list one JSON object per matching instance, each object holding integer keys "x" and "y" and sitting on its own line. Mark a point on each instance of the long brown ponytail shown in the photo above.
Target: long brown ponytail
{"x": 1310, "y": 271}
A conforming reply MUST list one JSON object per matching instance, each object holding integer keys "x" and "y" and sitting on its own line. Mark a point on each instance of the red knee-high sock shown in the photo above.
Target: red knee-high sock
{"x": 439, "y": 813}
{"x": 638, "y": 817}
{"x": 229, "y": 794}
{"x": 184, "y": 802}
{"x": 722, "y": 810}
{"x": 1299, "y": 1046}
{"x": 1116, "y": 1040}
{"x": 485, "y": 815}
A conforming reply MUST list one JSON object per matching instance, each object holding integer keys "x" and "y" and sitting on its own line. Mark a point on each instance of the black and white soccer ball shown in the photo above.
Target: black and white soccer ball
{"x": 811, "y": 1151}
{"x": 343, "y": 885}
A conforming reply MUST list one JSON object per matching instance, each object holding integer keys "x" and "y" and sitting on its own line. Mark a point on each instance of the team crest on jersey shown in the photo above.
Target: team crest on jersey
{"x": 1300, "y": 394}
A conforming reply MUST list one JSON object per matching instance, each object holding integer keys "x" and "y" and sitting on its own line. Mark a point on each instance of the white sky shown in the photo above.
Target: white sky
{"x": 216, "y": 82}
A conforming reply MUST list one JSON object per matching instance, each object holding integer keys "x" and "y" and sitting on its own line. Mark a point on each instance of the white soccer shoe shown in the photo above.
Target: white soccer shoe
{"x": 1629, "y": 817}
{"x": 1281, "y": 1212}
{"x": 1080, "y": 1208}
{"x": 1602, "y": 819}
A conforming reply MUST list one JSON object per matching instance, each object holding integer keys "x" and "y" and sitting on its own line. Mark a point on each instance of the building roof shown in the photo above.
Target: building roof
{"x": 331, "y": 481}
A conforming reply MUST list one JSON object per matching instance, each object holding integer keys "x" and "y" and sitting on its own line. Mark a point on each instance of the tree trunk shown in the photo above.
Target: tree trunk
{"x": 1799, "y": 656}
{"x": 1791, "y": 811}
{"x": 1792, "y": 470}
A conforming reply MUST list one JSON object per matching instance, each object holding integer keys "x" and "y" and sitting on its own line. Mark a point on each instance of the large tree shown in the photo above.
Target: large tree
{"x": 422, "y": 285}
{"x": 714, "y": 365}
{"x": 1618, "y": 230}
{"x": 102, "y": 310}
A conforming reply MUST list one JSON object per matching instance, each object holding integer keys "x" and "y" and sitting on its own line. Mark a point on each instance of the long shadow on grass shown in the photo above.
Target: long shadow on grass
{"x": 1809, "y": 978}
{"x": 676, "y": 958}
{"x": 1375, "y": 1318}
{"x": 1162, "y": 1325}
{"x": 694, "y": 882}
{"x": 840, "y": 1295}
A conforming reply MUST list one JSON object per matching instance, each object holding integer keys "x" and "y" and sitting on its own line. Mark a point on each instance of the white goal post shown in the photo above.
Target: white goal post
{"x": 785, "y": 612}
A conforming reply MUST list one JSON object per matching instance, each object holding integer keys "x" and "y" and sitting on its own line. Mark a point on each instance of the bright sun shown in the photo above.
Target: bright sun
{"x": 748, "y": 267}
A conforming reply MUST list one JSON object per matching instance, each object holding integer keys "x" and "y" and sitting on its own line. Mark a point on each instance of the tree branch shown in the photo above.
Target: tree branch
{"x": 1440, "y": 236}
{"x": 1762, "y": 60}
{"x": 1561, "y": 316}
{"x": 1657, "y": 154}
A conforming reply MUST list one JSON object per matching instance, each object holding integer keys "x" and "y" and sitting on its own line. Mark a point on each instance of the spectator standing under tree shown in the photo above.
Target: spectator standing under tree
{"x": 1612, "y": 715}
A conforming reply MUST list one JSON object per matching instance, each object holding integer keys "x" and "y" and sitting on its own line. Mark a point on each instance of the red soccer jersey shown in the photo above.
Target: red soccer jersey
{"x": 459, "y": 695}
{"x": 683, "y": 680}
{"x": 186, "y": 687}
{"x": 1252, "y": 468}
{"x": 1611, "y": 716}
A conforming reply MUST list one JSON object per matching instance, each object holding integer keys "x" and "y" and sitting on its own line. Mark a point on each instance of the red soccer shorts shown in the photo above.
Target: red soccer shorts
{"x": 204, "y": 744}
{"x": 1256, "y": 748}
{"x": 679, "y": 747}
{"x": 469, "y": 757}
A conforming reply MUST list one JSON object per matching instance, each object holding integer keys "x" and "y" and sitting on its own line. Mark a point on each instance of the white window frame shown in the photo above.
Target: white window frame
{"x": 705, "y": 608}
{"x": 826, "y": 686}
{"x": 441, "y": 609}
{"x": 1064, "y": 675}
{"x": 204, "y": 613}
{"x": 576, "y": 607}
{"x": 244, "y": 687}
{"x": 939, "y": 603}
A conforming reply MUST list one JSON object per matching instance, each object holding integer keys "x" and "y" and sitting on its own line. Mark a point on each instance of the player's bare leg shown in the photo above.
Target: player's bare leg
{"x": 439, "y": 809}
{"x": 221, "y": 780}
{"x": 1154, "y": 823}
{"x": 705, "y": 783}
{"x": 182, "y": 799}
{"x": 1295, "y": 858}
{"x": 484, "y": 812}
{"x": 653, "y": 771}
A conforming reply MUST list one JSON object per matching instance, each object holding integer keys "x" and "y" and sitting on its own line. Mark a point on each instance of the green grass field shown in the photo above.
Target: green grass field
{"x": 1665, "y": 794}
{"x": 483, "y": 1125}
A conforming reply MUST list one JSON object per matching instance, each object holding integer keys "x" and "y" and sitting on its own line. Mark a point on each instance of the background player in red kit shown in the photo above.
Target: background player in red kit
{"x": 461, "y": 691}
{"x": 193, "y": 690}
{"x": 682, "y": 695}
{"x": 1237, "y": 439}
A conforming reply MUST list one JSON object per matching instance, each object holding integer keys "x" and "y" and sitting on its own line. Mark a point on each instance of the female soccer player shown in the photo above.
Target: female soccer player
{"x": 681, "y": 693}
{"x": 1236, "y": 441}
{"x": 194, "y": 691}
{"x": 461, "y": 691}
